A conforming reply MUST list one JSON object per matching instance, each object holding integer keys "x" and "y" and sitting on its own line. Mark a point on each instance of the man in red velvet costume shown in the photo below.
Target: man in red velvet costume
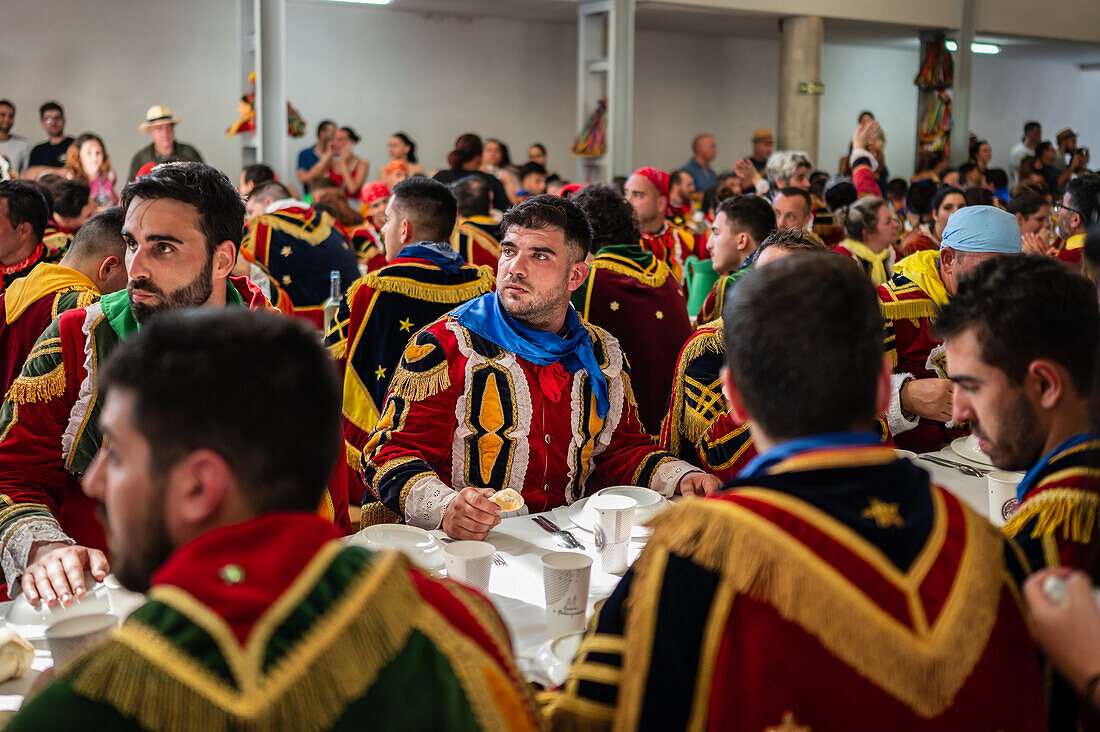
{"x": 633, "y": 295}
{"x": 647, "y": 191}
{"x": 514, "y": 390}
{"x": 830, "y": 586}
{"x": 94, "y": 265}
{"x": 182, "y": 228}
{"x": 258, "y": 617}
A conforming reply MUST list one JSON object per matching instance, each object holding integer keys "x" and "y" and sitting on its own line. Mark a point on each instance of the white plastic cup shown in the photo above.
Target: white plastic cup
{"x": 615, "y": 519}
{"x": 565, "y": 577}
{"x": 470, "y": 562}
{"x": 1002, "y": 495}
{"x": 69, "y": 638}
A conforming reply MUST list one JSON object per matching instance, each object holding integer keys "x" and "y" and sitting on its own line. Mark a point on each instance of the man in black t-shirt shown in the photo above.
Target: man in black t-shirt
{"x": 49, "y": 156}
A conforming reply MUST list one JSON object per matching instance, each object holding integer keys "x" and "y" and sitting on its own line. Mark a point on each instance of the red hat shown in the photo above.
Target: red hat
{"x": 570, "y": 188}
{"x": 145, "y": 170}
{"x": 659, "y": 178}
{"x": 373, "y": 191}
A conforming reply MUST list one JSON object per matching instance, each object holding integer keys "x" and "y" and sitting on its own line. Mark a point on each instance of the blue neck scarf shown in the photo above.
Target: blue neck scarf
{"x": 438, "y": 253}
{"x": 484, "y": 316}
{"x": 761, "y": 464}
{"x": 1032, "y": 477}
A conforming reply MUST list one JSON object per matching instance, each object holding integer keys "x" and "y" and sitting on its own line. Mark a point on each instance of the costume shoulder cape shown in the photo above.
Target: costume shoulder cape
{"x": 346, "y": 647}
{"x": 474, "y": 241}
{"x": 630, "y": 261}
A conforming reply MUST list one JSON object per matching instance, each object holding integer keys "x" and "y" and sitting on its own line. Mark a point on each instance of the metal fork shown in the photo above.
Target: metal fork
{"x": 564, "y": 537}
{"x": 961, "y": 467}
{"x": 497, "y": 559}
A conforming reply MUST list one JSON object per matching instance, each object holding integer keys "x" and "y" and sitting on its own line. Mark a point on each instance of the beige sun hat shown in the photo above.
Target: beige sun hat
{"x": 157, "y": 114}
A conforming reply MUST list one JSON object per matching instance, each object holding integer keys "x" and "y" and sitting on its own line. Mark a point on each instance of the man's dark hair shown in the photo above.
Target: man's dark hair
{"x": 7, "y": 103}
{"x": 69, "y": 196}
{"x": 50, "y": 107}
{"x": 26, "y": 204}
{"x": 792, "y": 192}
{"x": 272, "y": 189}
{"x": 965, "y": 170}
{"x": 99, "y": 237}
{"x": 1031, "y": 125}
{"x": 1084, "y": 197}
{"x": 1042, "y": 147}
{"x": 750, "y": 214}
{"x": 258, "y": 173}
{"x": 1026, "y": 203}
{"x": 429, "y": 204}
{"x": 1025, "y": 308}
{"x": 897, "y": 188}
{"x": 473, "y": 196}
{"x": 613, "y": 219}
{"x": 978, "y": 197}
{"x": 187, "y": 364}
{"x": 792, "y": 240}
{"x": 943, "y": 193}
{"x": 785, "y": 358}
{"x": 551, "y": 212}
{"x": 540, "y": 146}
{"x": 531, "y": 169}
{"x": 218, "y": 206}
{"x": 840, "y": 193}
{"x": 918, "y": 199}
{"x": 675, "y": 178}
{"x": 323, "y": 124}
{"x": 998, "y": 177}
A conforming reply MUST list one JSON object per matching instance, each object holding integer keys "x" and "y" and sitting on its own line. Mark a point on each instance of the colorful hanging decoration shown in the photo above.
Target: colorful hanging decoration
{"x": 935, "y": 129}
{"x": 592, "y": 140}
{"x": 246, "y": 111}
{"x": 937, "y": 71}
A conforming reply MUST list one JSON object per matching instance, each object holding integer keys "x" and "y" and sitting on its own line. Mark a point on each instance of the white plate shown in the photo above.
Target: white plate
{"x": 905, "y": 454}
{"x": 967, "y": 447}
{"x": 418, "y": 545}
{"x": 557, "y": 656}
{"x": 650, "y": 503}
{"x": 31, "y": 622}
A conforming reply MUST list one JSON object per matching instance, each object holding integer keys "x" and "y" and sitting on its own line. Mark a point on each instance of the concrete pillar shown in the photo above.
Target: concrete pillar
{"x": 271, "y": 86}
{"x": 799, "y": 64}
{"x": 960, "y": 88}
{"x": 605, "y": 68}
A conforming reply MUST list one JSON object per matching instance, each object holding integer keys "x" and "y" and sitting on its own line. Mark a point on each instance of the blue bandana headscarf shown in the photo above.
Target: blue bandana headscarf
{"x": 438, "y": 253}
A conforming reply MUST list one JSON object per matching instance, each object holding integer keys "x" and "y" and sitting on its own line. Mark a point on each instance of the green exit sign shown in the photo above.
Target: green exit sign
{"x": 814, "y": 88}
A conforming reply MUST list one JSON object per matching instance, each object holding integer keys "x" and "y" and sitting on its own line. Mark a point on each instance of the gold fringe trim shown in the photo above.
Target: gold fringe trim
{"x": 338, "y": 351}
{"x": 653, "y": 276}
{"x": 922, "y": 668}
{"x": 376, "y": 513}
{"x": 299, "y": 228}
{"x": 416, "y": 387}
{"x": 1071, "y": 510}
{"x": 43, "y": 388}
{"x": 909, "y": 309}
{"x": 446, "y": 294}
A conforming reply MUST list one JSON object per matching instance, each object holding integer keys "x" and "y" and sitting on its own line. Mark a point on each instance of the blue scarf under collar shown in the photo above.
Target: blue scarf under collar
{"x": 762, "y": 463}
{"x": 1032, "y": 477}
{"x": 438, "y": 253}
{"x": 484, "y": 316}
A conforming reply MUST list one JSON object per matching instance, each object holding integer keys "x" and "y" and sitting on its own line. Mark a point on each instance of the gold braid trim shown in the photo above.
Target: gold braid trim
{"x": 653, "y": 276}
{"x": 447, "y": 294}
{"x": 338, "y": 351}
{"x": 1069, "y": 509}
{"x": 7, "y": 428}
{"x": 909, "y": 309}
{"x": 299, "y": 227}
{"x": 922, "y": 667}
{"x": 376, "y": 513}
{"x": 43, "y": 388}
{"x": 417, "y": 386}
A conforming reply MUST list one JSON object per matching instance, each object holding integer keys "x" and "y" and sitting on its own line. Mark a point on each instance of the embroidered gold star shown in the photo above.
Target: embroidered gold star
{"x": 406, "y": 324}
{"x": 286, "y": 279}
{"x": 660, "y": 315}
{"x": 379, "y": 373}
{"x": 788, "y": 724}
{"x": 285, "y": 251}
{"x": 882, "y": 513}
{"x": 614, "y": 305}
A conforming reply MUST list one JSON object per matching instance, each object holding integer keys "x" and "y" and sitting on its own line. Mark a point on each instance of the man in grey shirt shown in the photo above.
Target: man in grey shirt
{"x": 12, "y": 147}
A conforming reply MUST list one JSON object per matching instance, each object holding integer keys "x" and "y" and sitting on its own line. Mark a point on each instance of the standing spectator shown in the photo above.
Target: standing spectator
{"x": 1046, "y": 155}
{"x": 763, "y": 142}
{"x": 402, "y": 148}
{"x": 981, "y": 154}
{"x": 49, "y": 156}
{"x": 87, "y": 160}
{"x": 347, "y": 169}
{"x": 314, "y": 162}
{"x": 1033, "y": 134}
{"x": 161, "y": 126}
{"x": 13, "y": 147}
{"x": 1070, "y": 160}
{"x": 704, "y": 150}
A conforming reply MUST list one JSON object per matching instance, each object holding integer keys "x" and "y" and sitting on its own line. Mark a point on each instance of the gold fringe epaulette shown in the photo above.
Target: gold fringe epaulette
{"x": 708, "y": 339}
{"x": 446, "y": 294}
{"x": 43, "y": 388}
{"x": 338, "y": 351}
{"x": 653, "y": 276}
{"x": 1069, "y": 509}
{"x": 909, "y": 309}
{"x": 300, "y": 227}
{"x": 415, "y": 386}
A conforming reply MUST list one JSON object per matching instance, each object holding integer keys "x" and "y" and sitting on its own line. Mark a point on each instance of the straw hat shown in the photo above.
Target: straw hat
{"x": 157, "y": 114}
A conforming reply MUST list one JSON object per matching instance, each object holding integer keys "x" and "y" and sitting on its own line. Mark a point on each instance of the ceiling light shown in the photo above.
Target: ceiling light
{"x": 362, "y": 2}
{"x": 989, "y": 48}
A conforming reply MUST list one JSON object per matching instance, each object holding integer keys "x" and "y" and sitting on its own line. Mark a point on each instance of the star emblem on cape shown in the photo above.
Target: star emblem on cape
{"x": 882, "y": 513}
{"x": 788, "y": 724}
{"x": 286, "y": 279}
{"x": 406, "y": 325}
{"x": 614, "y": 305}
{"x": 379, "y": 373}
{"x": 660, "y": 315}
{"x": 285, "y": 251}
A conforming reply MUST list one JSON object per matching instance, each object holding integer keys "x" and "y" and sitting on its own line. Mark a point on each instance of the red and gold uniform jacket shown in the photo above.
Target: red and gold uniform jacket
{"x": 11, "y": 272}
{"x": 825, "y": 226}
{"x": 274, "y": 624}
{"x": 462, "y": 411}
{"x": 716, "y": 300}
{"x": 366, "y": 242}
{"x": 56, "y": 239}
{"x": 672, "y": 245}
{"x": 631, "y": 293}
{"x": 477, "y": 239}
{"x": 909, "y": 302}
{"x": 698, "y": 427}
{"x": 1072, "y": 252}
{"x": 28, "y": 307}
{"x": 49, "y": 429}
{"x": 839, "y": 591}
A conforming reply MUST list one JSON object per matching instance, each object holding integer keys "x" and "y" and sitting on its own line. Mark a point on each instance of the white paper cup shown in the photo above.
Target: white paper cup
{"x": 615, "y": 519}
{"x": 69, "y": 638}
{"x": 470, "y": 562}
{"x": 565, "y": 577}
{"x": 1002, "y": 495}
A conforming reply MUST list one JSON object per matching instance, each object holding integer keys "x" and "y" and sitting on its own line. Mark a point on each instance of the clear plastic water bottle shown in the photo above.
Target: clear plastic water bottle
{"x": 332, "y": 304}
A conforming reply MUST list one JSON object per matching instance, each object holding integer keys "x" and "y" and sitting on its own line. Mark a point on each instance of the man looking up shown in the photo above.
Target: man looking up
{"x": 704, "y": 151}
{"x": 741, "y": 224}
{"x": 182, "y": 227}
{"x": 476, "y": 236}
{"x": 631, "y": 293}
{"x": 161, "y": 126}
{"x": 777, "y": 599}
{"x": 647, "y": 191}
{"x": 92, "y": 266}
{"x": 24, "y": 212}
{"x": 794, "y": 209}
{"x": 249, "y": 591}
{"x": 1021, "y": 338}
{"x": 919, "y": 415}
{"x": 548, "y": 407}
{"x": 424, "y": 278}
{"x": 1078, "y": 209}
{"x": 12, "y": 147}
{"x": 49, "y": 156}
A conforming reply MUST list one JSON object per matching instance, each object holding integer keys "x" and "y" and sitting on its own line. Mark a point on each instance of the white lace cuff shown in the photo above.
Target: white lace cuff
{"x": 17, "y": 542}
{"x": 666, "y": 477}
{"x": 762, "y": 187}
{"x": 427, "y": 502}
{"x": 895, "y": 417}
{"x": 858, "y": 153}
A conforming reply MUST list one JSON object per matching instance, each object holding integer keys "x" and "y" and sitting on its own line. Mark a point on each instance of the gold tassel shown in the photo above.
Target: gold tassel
{"x": 1071, "y": 510}
{"x": 43, "y": 388}
{"x": 652, "y": 277}
{"x": 416, "y": 387}
{"x": 909, "y": 309}
{"x": 446, "y": 294}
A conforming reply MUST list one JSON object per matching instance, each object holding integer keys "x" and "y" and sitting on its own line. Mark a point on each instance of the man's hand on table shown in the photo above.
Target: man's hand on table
{"x": 470, "y": 514}
{"x": 55, "y": 572}
{"x": 698, "y": 483}
{"x": 928, "y": 398}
